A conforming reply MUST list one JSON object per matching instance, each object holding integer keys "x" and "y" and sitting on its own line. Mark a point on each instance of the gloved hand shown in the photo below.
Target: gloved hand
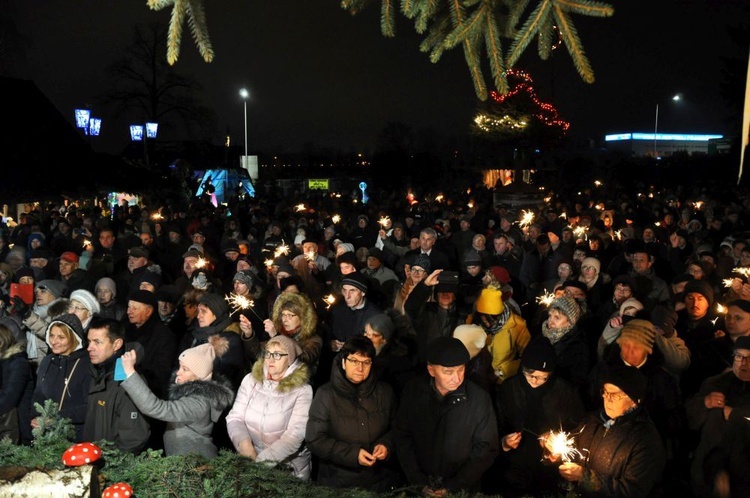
{"x": 20, "y": 308}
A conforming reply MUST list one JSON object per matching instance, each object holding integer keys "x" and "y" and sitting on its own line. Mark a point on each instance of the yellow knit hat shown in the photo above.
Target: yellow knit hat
{"x": 490, "y": 301}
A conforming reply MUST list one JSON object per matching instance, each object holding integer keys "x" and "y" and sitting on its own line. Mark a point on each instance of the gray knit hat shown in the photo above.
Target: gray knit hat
{"x": 422, "y": 261}
{"x": 87, "y": 299}
{"x": 568, "y": 307}
{"x": 382, "y": 324}
{"x": 107, "y": 283}
{"x": 244, "y": 276}
{"x": 55, "y": 287}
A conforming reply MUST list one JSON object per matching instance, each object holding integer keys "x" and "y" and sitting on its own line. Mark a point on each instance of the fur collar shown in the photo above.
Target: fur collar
{"x": 218, "y": 390}
{"x": 14, "y": 349}
{"x": 295, "y": 376}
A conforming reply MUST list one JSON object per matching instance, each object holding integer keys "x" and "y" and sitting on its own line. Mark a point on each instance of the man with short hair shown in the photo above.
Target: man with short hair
{"x": 427, "y": 239}
{"x": 737, "y": 319}
{"x": 72, "y": 275}
{"x": 111, "y": 414}
{"x": 348, "y": 318}
{"x": 651, "y": 288}
{"x": 503, "y": 254}
{"x": 446, "y": 432}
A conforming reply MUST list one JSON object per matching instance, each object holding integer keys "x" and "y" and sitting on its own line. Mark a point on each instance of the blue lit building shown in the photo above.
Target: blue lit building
{"x": 660, "y": 144}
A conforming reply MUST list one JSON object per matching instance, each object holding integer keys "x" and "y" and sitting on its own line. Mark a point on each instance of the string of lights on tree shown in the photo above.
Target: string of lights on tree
{"x": 543, "y": 112}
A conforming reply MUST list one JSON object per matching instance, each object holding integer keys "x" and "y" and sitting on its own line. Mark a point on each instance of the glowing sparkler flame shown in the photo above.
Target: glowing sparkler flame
{"x": 546, "y": 298}
{"x": 563, "y": 215}
{"x": 470, "y": 204}
{"x": 384, "y": 221}
{"x": 335, "y": 218}
{"x": 527, "y": 219}
{"x": 562, "y": 443}
{"x": 283, "y": 249}
{"x": 439, "y": 198}
{"x": 745, "y": 272}
{"x": 658, "y": 223}
{"x": 721, "y": 308}
{"x": 713, "y": 322}
{"x": 698, "y": 204}
{"x": 269, "y": 263}
{"x": 237, "y": 302}
{"x": 299, "y": 207}
{"x": 618, "y": 234}
{"x": 580, "y": 231}
{"x": 330, "y": 299}
{"x": 311, "y": 255}
{"x": 728, "y": 282}
{"x": 201, "y": 263}
{"x": 598, "y": 183}
{"x": 157, "y": 216}
{"x": 86, "y": 243}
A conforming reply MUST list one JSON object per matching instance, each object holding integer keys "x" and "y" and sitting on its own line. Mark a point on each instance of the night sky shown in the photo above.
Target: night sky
{"x": 318, "y": 75}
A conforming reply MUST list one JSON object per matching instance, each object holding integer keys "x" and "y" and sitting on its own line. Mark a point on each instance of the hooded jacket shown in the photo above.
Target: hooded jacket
{"x": 307, "y": 336}
{"x": 274, "y": 416}
{"x": 345, "y": 418}
{"x": 190, "y": 412}
{"x": 17, "y": 386}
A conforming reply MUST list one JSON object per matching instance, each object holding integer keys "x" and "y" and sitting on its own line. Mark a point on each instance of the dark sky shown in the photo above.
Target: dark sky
{"x": 318, "y": 75}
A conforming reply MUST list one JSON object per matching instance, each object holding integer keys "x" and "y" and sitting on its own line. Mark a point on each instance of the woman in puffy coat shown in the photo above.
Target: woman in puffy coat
{"x": 351, "y": 420}
{"x": 196, "y": 401}
{"x": 16, "y": 387}
{"x": 268, "y": 419}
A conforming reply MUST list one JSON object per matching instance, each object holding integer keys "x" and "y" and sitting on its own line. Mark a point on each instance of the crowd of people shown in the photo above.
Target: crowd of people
{"x": 453, "y": 343}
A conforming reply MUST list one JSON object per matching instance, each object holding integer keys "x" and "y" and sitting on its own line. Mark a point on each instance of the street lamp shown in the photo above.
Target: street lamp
{"x": 90, "y": 126}
{"x": 675, "y": 98}
{"x": 245, "y": 95}
{"x": 136, "y": 135}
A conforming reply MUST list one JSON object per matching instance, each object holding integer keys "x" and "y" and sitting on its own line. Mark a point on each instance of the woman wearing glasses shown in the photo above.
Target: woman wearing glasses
{"x": 619, "y": 451}
{"x": 268, "y": 419}
{"x": 350, "y": 423}
{"x": 527, "y": 406}
{"x": 84, "y": 305}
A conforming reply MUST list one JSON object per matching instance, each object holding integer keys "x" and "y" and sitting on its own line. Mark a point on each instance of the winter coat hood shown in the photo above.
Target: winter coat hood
{"x": 297, "y": 374}
{"x": 303, "y": 308}
{"x": 218, "y": 391}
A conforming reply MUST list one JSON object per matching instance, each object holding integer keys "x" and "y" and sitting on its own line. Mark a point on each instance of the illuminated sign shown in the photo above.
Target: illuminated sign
{"x": 680, "y": 137}
{"x": 317, "y": 184}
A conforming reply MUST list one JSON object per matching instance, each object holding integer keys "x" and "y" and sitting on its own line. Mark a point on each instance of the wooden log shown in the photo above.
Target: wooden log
{"x": 72, "y": 482}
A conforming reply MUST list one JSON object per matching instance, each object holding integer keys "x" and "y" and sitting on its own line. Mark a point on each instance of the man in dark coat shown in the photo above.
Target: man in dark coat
{"x": 348, "y": 318}
{"x": 438, "y": 259}
{"x": 446, "y": 432}
{"x": 111, "y": 414}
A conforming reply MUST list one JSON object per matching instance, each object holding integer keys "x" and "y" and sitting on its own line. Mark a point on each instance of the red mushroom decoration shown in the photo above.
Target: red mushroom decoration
{"x": 81, "y": 454}
{"x": 118, "y": 490}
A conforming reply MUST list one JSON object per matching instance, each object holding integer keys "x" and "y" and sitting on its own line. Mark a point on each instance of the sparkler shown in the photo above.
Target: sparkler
{"x": 470, "y": 204}
{"x": 527, "y": 219}
{"x": 157, "y": 216}
{"x": 728, "y": 282}
{"x": 439, "y": 198}
{"x": 201, "y": 263}
{"x": 580, "y": 231}
{"x": 618, "y": 234}
{"x": 329, "y": 300}
{"x": 713, "y": 322}
{"x": 745, "y": 272}
{"x": 546, "y": 298}
{"x": 384, "y": 221}
{"x": 311, "y": 256}
{"x": 86, "y": 243}
{"x": 561, "y": 443}
{"x": 335, "y": 218}
{"x": 598, "y": 183}
{"x": 299, "y": 207}
{"x": 237, "y": 303}
{"x": 698, "y": 204}
{"x": 283, "y": 249}
{"x": 563, "y": 215}
{"x": 721, "y": 308}
{"x": 269, "y": 263}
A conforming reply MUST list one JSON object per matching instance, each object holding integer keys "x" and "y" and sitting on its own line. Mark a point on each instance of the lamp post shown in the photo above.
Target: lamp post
{"x": 675, "y": 98}
{"x": 89, "y": 125}
{"x": 136, "y": 135}
{"x": 245, "y": 95}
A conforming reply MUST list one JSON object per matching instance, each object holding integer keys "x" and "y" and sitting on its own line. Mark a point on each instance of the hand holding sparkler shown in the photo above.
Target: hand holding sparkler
{"x": 511, "y": 441}
{"x": 559, "y": 445}
{"x": 571, "y": 471}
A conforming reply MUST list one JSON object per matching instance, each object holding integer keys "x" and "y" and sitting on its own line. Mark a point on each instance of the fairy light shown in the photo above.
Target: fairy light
{"x": 546, "y": 298}
{"x": 335, "y": 218}
{"x": 527, "y": 219}
{"x": 562, "y": 443}
{"x": 384, "y": 221}
{"x": 299, "y": 207}
{"x": 330, "y": 299}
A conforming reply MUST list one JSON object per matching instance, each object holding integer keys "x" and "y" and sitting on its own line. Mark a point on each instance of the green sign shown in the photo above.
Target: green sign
{"x": 317, "y": 184}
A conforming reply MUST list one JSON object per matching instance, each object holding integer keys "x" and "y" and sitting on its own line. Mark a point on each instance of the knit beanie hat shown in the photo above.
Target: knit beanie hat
{"x": 630, "y": 302}
{"x": 376, "y": 253}
{"x": 244, "y": 276}
{"x": 490, "y": 301}
{"x": 87, "y": 299}
{"x": 200, "y": 359}
{"x": 382, "y": 324}
{"x": 641, "y": 332}
{"x": 473, "y": 337}
{"x": 145, "y": 297}
{"x": 150, "y": 277}
{"x": 289, "y": 345}
{"x": 568, "y": 307}
{"x": 23, "y": 271}
{"x": 700, "y": 287}
{"x": 422, "y": 261}
{"x": 72, "y": 322}
{"x": 630, "y": 380}
{"x": 592, "y": 262}
{"x": 347, "y": 257}
{"x": 500, "y": 274}
{"x": 472, "y": 258}
{"x": 107, "y": 283}
{"x": 447, "y": 352}
{"x": 216, "y": 303}
{"x": 168, "y": 293}
{"x": 357, "y": 280}
{"x": 539, "y": 355}
{"x": 55, "y": 287}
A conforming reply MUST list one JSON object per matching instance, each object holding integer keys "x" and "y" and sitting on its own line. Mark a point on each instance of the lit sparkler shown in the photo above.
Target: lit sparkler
{"x": 237, "y": 303}
{"x": 335, "y": 218}
{"x": 269, "y": 263}
{"x": 329, "y": 300}
{"x": 311, "y": 256}
{"x": 201, "y": 263}
{"x": 86, "y": 243}
{"x": 713, "y": 322}
{"x": 658, "y": 223}
{"x": 470, "y": 204}
{"x": 546, "y": 298}
{"x": 745, "y": 272}
{"x": 527, "y": 219}
{"x": 598, "y": 183}
{"x": 721, "y": 308}
{"x": 563, "y": 215}
{"x": 580, "y": 231}
{"x": 384, "y": 221}
{"x": 439, "y": 198}
{"x": 618, "y": 234}
{"x": 299, "y": 207}
{"x": 728, "y": 282}
{"x": 281, "y": 250}
{"x": 562, "y": 443}
{"x": 157, "y": 216}
{"x": 698, "y": 204}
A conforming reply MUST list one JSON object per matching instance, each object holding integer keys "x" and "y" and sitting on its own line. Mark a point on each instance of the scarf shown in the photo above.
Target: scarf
{"x": 554, "y": 335}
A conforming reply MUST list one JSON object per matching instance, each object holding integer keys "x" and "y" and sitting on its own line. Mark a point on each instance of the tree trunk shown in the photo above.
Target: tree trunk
{"x": 73, "y": 482}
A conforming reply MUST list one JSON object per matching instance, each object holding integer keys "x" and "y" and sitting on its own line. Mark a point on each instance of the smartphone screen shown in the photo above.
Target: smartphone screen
{"x": 119, "y": 370}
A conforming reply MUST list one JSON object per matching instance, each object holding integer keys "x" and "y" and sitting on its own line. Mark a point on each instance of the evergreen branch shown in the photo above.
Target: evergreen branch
{"x": 495, "y": 53}
{"x": 586, "y": 7}
{"x": 573, "y": 43}
{"x": 409, "y": 8}
{"x": 457, "y": 12}
{"x": 433, "y": 42}
{"x": 159, "y": 4}
{"x": 546, "y": 34}
{"x": 388, "y": 19}
{"x": 471, "y": 53}
{"x": 515, "y": 11}
{"x": 199, "y": 29}
{"x": 528, "y": 31}
{"x": 354, "y": 6}
{"x": 175, "y": 31}
{"x": 468, "y": 29}
{"x": 427, "y": 11}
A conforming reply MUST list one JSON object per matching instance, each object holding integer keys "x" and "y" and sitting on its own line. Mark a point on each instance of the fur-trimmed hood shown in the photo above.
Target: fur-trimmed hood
{"x": 14, "y": 349}
{"x": 296, "y": 375}
{"x": 304, "y": 309}
{"x": 218, "y": 391}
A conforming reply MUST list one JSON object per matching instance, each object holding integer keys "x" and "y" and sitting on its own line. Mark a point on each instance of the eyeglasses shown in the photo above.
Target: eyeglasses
{"x": 42, "y": 288}
{"x": 741, "y": 358}
{"x": 536, "y": 378}
{"x": 588, "y": 267}
{"x": 275, "y": 356}
{"x": 287, "y": 316}
{"x": 75, "y": 309}
{"x": 358, "y": 363}
{"x": 418, "y": 270}
{"x": 616, "y": 396}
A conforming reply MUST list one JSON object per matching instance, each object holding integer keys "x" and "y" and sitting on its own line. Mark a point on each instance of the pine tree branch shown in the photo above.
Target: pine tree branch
{"x": 199, "y": 29}
{"x": 516, "y": 8}
{"x": 586, "y": 8}
{"x": 546, "y": 35}
{"x": 528, "y": 31}
{"x": 388, "y": 18}
{"x": 468, "y": 29}
{"x": 495, "y": 53}
{"x": 573, "y": 43}
{"x": 175, "y": 31}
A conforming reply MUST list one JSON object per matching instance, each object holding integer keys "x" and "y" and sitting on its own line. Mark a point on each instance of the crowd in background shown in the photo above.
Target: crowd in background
{"x": 440, "y": 340}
